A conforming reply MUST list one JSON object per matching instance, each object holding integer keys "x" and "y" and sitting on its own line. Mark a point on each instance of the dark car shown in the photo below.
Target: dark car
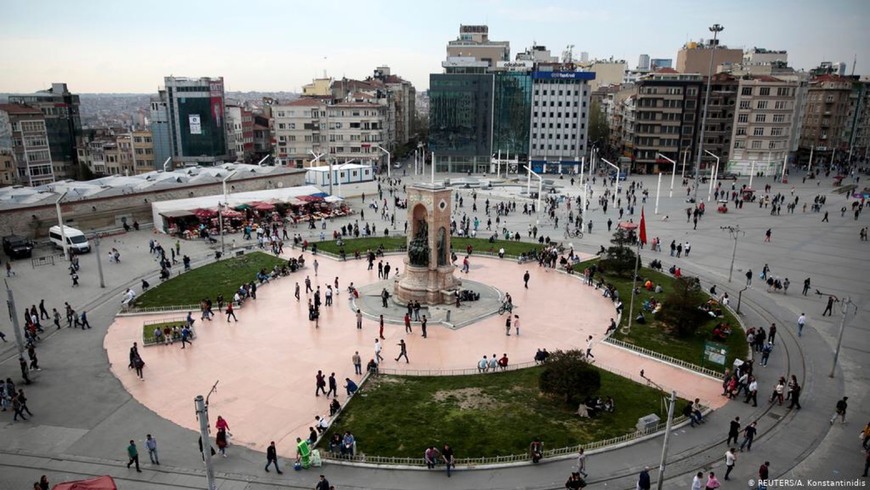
{"x": 17, "y": 247}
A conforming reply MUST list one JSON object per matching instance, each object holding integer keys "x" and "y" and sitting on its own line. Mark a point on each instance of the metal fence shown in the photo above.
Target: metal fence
{"x": 454, "y": 372}
{"x": 664, "y": 358}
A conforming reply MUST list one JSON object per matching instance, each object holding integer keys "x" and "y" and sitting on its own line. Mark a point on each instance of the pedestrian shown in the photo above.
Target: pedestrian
{"x": 381, "y": 331}
{"x": 752, "y": 391}
{"x": 133, "y": 453}
{"x": 17, "y": 405}
{"x": 806, "y": 286}
{"x": 712, "y": 482}
{"x": 517, "y": 324}
{"x": 795, "y": 394}
{"x": 526, "y": 279}
{"x": 581, "y": 463}
{"x": 698, "y": 481}
{"x": 378, "y": 349}
{"x": 748, "y": 436}
{"x": 43, "y": 483}
{"x": 643, "y": 480}
{"x": 771, "y": 333}
{"x": 231, "y": 312}
{"x": 333, "y": 386}
{"x": 765, "y": 353}
{"x": 733, "y": 430}
{"x": 222, "y": 441}
{"x": 448, "y": 457}
{"x": 767, "y": 235}
{"x": 295, "y": 292}
{"x": 589, "y": 343}
{"x": 323, "y": 484}
{"x": 408, "y": 323}
{"x": 507, "y": 326}
{"x": 423, "y": 326}
{"x": 272, "y": 458}
{"x": 749, "y": 278}
{"x": 350, "y": 386}
{"x": 840, "y": 410}
{"x": 730, "y": 459}
{"x": 357, "y": 363}
{"x": 316, "y": 266}
{"x": 320, "y": 383}
{"x": 403, "y": 351}
{"x": 802, "y": 320}
{"x": 83, "y": 320}
{"x": 825, "y": 219}
{"x": 139, "y": 364}
{"x": 151, "y": 446}
{"x": 830, "y": 306}
{"x": 185, "y": 336}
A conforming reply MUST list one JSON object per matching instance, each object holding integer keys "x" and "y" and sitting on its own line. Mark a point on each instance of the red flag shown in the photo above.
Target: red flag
{"x": 642, "y": 227}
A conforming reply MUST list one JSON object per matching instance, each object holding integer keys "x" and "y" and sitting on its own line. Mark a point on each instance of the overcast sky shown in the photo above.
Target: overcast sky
{"x": 275, "y": 45}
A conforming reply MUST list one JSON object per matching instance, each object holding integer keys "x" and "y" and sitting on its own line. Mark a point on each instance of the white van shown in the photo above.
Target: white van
{"x": 75, "y": 239}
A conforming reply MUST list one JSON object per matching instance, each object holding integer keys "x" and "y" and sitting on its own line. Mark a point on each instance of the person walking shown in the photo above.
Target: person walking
{"x": 359, "y": 318}
{"x": 840, "y": 411}
{"x": 589, "y": 343}
{"x": 231, "y": 313}
{"x": 378, "y": 348}
{"x": 423, "y": 326}
{"x": 730, "y": 459}
{"x": 825, "y": 219}
{"x": 83, "y": 320}
{"x": 403, "y": 351}
{"x": 698, "y": 481}
{"x": 320, "y": 383}
{"x": 272, "y": 458}
{"x": 733, "y": 430}
{"x": 322, "y": 484}
{"x": 771, "y": 334}
{"x": 151, "y": 446}
{"x": 408, "y": 323}
{"x": 749, "y": 277}
{"x": 801, "y": 321}
{"x": 829, "y": 308}
{"x": 357, "y": 363}
{"x": 767, "y": 235}
{"x": 517, "y": 325}
{"x": 133, "y": 453}
{"x": 581, "y": 463}
{"x": 295, "y": 293}
{"x": 643, "y": 480}
{"x": 333, "y": 386}
{"x": 507, "y": 326}
{"x": 748, "y": 436}
{"x": 806, "y": 286}
{"x": 752, "y": 391}
{"x": 763, "y": 474}
{"x": 526, "y": 279}
{"x": 381, "y": 330}
{"x": 448, "y": 457}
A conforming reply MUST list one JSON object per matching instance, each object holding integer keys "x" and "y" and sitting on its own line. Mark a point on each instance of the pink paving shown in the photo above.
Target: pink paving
{"x": 266, "y": 363}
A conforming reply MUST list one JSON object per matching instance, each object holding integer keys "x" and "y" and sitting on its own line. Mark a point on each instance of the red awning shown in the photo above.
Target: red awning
{"x": 98, "y": 483}
{"x": 625, "y": 225}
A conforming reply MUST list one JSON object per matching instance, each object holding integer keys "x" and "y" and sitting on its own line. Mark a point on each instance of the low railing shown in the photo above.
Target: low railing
{"x": 664, "y": 358}
{"x": 454, "y": 372}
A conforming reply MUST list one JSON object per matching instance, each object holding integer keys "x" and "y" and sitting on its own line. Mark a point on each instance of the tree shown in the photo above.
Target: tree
{"x": 568, "y": 374}
{"x": 680, "y": 307}
{"x": 599, "y": 129}
{"x": 620, "y": 258}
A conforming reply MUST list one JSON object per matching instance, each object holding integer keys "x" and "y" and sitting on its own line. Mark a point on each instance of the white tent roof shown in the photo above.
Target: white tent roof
{"x": 235, "y": 199}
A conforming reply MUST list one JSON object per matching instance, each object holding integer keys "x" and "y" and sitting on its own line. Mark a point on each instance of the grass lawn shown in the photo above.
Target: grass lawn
{"x": 654, "y": 336}
{"x": 511, "y": 248}
{"x": 483, "y": 415}
{"x": 223, "y": 277}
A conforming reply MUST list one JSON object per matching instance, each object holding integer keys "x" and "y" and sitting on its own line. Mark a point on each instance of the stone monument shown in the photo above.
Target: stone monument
{"x": 428, "y": 274}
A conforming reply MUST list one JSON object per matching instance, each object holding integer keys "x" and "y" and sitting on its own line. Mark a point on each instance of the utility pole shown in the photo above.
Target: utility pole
{"x": 202, "y": 415}
{"x": 99, "y": 259}
{"x": 671, "y": 404}
{"x": 715, "y": 29}
{"x": 736, "y": 233}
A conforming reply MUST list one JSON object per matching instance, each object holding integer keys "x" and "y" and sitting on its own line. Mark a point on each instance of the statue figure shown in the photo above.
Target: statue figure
{"x": 418, "y": 249}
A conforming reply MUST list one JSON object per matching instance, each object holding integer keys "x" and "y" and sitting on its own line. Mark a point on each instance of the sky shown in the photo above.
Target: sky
{"x": 279, "y": 45}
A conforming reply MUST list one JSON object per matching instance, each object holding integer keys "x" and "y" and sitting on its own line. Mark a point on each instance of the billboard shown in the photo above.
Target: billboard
{"x": 195, "y": 123}
{"x": 562, "y": 75}
{"x": 216, "y": 97}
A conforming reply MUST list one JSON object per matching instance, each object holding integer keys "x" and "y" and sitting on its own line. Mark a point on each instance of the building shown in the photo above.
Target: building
{"x": 24, "y": 132}
{"x": 857, "y": 133}
{"x": 643, "y": 62}
{"x": 195, "y": 111}
{"x": 262, "y": 137}
{"x": 764, "y": 56}
{"x": 695, "y": 57}
{"x": 607, "y": 72}
{"x": 473, "y": 41}
{"x": 827, "y": 115}
{"x": 160, "y": 130}
{"x": 298, "y": 133}
{"x": 460, "y": 121}
{"x": 355, "y": 129}
{"x": 763, "y": 124}
{"x": 240, "y": 133}
{"x": 659, "y": 63}
{"x": 62, "y": 124}
{"x": 142, "y": 151}
{"x": 560, "y": 115}
{"x": 319, "y": 87}
{"x": 8, "y": 172}
{"x": 718, "y": 130}
{"x": 401, "y": 110}
{"x": 512, "y": 114}
{"x": 666, "y": 118}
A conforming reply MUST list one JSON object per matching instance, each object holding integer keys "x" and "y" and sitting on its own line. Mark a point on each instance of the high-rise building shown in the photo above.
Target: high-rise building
{"x": 720, "y": 118}
{"x": 512, "y": 114}
{"x": 643, "y": 62}
{"x": 473, "y": 41}
{"x": 695, "y": 57}
{"x": 826, "y": 119}
{"x": 24, "y": 132}
{"x": 195, "y": 110}
{"x": 62, "y": 123}
{"x": 560, "y": 116}
{"x": 460, "y": 121}
{"x": 160, "y": 130}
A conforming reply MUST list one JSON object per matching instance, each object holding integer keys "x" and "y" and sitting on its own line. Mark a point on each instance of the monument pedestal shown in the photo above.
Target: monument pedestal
{"x": 428, "y": 286}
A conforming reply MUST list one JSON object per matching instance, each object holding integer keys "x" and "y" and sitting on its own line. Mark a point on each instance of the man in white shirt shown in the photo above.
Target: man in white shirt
{"x": 698, "y": 481}
{"x": 482, "y": 365}
{"x": 378, "y": 347}
{"x": 730, "y": 459}
{"x": 589, "y": 343}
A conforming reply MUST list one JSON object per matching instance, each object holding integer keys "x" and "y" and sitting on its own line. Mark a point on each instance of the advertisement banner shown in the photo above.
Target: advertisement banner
{"x": 195, "y": 123}
{"x": 216, "y": 94}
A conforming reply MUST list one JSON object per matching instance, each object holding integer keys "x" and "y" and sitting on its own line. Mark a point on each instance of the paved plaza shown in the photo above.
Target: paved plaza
{"x": 88, "y": 405}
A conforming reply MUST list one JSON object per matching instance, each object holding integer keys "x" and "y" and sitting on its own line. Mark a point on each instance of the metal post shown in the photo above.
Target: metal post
{"x": 221, "y": 208}
{"x": 633, "y": 286}
{"x": 784, "y": 164}
{"x": 615, "y": 182}
{"x": 13, "y": 317}
{"x": 683, "y": 171}
{"x": 99, "y": 259}
{"x": 658, "y": 188}
{"x": 713, "y": 175}
{"x": 202, "y": 415}
{"x": 673, "y": 174}
{"x": 740, "y": 297}
{"x": 735, "y": 232}
{"x": 389, "y": 165}
{"x": 846, "y": 302}
{"x": 66, "y": 250}
{"x": 433, "y": 167}
{"x": 751, "y": 173}
{"x": 810, "y": 165}
{"x": 671, "y": 405}
{"x": 582, "y": 187}
{"x": 715, "y": 29}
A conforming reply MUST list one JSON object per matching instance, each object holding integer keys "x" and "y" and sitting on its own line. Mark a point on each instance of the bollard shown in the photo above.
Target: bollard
{"x": 448, "y": 316}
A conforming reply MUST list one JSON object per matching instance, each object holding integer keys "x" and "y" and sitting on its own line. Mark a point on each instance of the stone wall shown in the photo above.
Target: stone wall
{"x": 106, "y": 213}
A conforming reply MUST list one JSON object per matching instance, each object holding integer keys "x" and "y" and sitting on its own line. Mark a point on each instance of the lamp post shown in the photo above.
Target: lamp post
{"x": 60, "y": 225}
{"x": 736, "y": 233}
{"x": 715, "y": 29}
{"x": 671, "y": 405}
{"x": 389, "y": 166}
{"x": 201, "y": 407}
{"x": 221, "y": 208}
{"x": 673, "y": 174}
{"x": 847, "y": 301}
{"x": 615, "y": 181}
{"x": 99, "y": 259}
{"x": 713, "y": 176}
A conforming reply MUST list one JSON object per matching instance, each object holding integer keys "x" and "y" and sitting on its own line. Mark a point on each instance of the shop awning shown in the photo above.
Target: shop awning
{"x": 176, "y": 213}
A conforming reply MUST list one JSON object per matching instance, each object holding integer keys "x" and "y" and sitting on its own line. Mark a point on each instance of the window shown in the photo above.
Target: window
{"x": 760, "y": 118}
{"x": 780, "y": 104}
{"x": 778, "y": 118}
{"x": 776, "y": 131}
{"x": 746, "y": 91}
{"x": 744, "y": 104}
{"x": 741, "y": 131}
{"x": 738, "y": 144}
{"x": 764, "y": 91}
{"x": 762, "y": 104}
{"x": 743, "y": 118}
{"x": 784, "y": 92}
{"x": 756, "y": 145}
{"x": 758, "y": 132}
{"x": 771, "y": 145}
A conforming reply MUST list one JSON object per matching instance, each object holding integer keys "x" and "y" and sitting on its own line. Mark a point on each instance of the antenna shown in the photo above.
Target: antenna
{"x": 854, "y": 62}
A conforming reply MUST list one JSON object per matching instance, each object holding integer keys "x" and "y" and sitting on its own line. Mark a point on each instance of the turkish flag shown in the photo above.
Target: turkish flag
{"x": 642, "y": 227}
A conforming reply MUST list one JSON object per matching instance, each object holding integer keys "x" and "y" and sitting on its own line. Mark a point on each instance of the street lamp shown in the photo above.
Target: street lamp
{"x": 736, "y": 233}
{"x": 616, "y": 181}
{"x": 673, "y": 173}
{"x": 222, "y": 206}
{"x": 60, "y": 225}
{"x": 715, "y": 29}
{"x": 713, "y": 176}
{"x": 846, "y": 302}
{"x": 389, "y": 173}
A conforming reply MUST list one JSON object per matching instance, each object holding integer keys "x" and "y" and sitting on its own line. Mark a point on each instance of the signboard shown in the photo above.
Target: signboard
{"x": 562, "y": 75}
{"x": 715, "y": 353}
{"x": 195, "y": 123}
{"x": 216, "y": 101}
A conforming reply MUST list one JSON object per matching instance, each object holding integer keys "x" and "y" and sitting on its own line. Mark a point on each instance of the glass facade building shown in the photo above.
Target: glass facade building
{"x": 195, "y": 109}
{"x": 460, "y": 121}
{"x": 512, "y": 110}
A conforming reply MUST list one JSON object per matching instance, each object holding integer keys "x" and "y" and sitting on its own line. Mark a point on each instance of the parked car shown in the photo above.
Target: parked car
{"x": 17, "y": 247}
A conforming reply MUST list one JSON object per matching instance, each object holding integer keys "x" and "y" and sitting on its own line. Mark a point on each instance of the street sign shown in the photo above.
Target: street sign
{"x": 715, "y": 353}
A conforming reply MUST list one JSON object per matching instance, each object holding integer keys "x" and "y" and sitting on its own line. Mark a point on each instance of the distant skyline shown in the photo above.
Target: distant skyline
{"x": 271, "y": 45}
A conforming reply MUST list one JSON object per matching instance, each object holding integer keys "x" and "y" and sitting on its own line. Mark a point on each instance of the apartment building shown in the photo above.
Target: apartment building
{"x": 8, "y": 173}
{"x": 240, "y": 133}
{"x": 857, "y": 133}
{"x": 143, "y": 151}
{"x": 24, "y": 131}
{"x": 473, "y": 41}
{"x": 666, "y": 118}
{"x": 355, "y": 129}
{"x": 299, "y": 131}
{"x": 826, "y": 119}
{"x": 695, "y": 57}
{"x": 718, "y": 130}
{"x": 763, "y": 124}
